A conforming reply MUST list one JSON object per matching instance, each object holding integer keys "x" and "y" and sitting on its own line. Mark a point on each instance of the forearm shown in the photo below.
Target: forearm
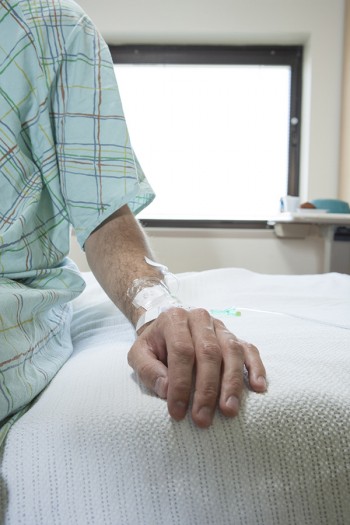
{"x": 181, "y": 350}
{"x": 116, "y": 255}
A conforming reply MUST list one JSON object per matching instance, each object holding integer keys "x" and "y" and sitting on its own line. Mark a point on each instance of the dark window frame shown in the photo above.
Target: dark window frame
{"x": 221, "y": 55}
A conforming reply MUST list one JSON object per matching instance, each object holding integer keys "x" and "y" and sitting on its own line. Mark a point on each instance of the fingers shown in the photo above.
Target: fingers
{"x": 220, "y": 360}
{"x": 236, "y": 354}
{"x": 232, "y": 371}
{"x": 184, "y": 347}
{"x": 255, "y": 367}
{"x": 181, "y": 359}
{"x": 208, "y": 354}
{"x": 163, "y": 357}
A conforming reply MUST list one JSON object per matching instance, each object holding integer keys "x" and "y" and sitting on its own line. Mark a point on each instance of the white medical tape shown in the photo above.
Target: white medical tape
{"x": 164, "y": 269}
{"x": 149, "y": 296}
{"x": 169, "y": 278}
{"x": 152, "y": 294}
{"x": 154, "y": 313}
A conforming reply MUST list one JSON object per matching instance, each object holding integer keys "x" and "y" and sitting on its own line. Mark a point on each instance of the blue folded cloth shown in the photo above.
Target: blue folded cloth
{"x": 331, "y": 205}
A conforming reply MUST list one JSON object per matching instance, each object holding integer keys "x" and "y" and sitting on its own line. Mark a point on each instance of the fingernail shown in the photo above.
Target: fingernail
{"x": 233, "y": 404}
{"x": 262, "y": 382}
{"x": 160, "y": 387}
{"x": 179, "y": 410}
{"x": 205, "y": 414}
{"x": 180, "y": 405}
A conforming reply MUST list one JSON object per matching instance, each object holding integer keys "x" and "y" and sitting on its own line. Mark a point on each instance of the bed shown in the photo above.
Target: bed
{"x": 98, "y": 448}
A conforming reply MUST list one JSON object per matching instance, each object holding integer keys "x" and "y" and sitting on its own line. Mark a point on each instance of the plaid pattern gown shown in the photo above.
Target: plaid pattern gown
{"x": 65, "y": 160}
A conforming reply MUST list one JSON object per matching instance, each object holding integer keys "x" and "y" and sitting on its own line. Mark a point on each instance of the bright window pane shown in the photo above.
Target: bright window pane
{"x": 212, "y": 139}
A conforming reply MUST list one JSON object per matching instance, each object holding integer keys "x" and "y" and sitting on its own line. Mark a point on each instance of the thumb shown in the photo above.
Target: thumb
{"x": 152, "y": 372}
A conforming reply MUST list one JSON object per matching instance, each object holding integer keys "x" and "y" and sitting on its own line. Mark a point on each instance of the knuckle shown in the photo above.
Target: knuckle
{"x": 208, "y": 394}
{"x": 235, "y": 381}
{"x": 183, "y": 351}
{"x": 200, "y": 314}
{"x": 145, "y": 371}
{"x": 248, "y": 346}
{"x": 252, "y": 349}
{"x": 219, "y": 325}
{"x": 239, "y": 351}
{"x": 211, "y": 351}
{"x": 236, "y": 348}
{"x": 180, "y": 388}
{"x": 174, "y": 314}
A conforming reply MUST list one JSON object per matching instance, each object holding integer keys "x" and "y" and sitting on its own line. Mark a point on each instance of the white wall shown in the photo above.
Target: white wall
{"x": 256, "y": 250}
{"x": 318, "y": 24}
{"x": 344, "y": 190}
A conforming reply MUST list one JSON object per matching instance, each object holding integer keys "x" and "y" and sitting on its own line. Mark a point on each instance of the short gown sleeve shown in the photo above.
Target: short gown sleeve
{"x": 98, "y": 169}
{"x": 66, "y": 158}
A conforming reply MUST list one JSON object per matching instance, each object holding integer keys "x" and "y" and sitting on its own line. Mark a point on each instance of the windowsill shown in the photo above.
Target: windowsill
{"x": 311, "y": 218}
{"x": 205, "y": 224}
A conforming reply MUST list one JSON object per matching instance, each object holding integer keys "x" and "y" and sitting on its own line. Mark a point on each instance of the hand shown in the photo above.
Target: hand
{"x": 178, "y": 343}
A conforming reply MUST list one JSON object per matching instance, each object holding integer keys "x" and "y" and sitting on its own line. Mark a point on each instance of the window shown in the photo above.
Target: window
{"x": 216, "y": 129}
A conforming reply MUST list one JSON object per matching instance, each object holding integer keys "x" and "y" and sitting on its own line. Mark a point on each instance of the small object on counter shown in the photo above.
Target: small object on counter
{"x": 307, "y": 206}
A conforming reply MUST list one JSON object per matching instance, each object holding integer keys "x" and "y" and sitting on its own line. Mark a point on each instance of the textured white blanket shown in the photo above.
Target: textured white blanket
{"x": 97, "y": 448}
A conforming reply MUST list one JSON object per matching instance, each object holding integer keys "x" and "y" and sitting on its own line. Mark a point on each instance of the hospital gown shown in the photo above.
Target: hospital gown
{"x": 65, "y": 159}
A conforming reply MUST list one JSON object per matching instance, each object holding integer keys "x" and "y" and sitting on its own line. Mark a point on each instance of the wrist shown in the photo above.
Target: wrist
{"x": 150, "y": 296}
{"x": 153, "y": 313}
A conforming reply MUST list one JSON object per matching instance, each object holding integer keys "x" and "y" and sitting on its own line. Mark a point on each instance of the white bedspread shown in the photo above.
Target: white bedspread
{"x": 98, "y": 448}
